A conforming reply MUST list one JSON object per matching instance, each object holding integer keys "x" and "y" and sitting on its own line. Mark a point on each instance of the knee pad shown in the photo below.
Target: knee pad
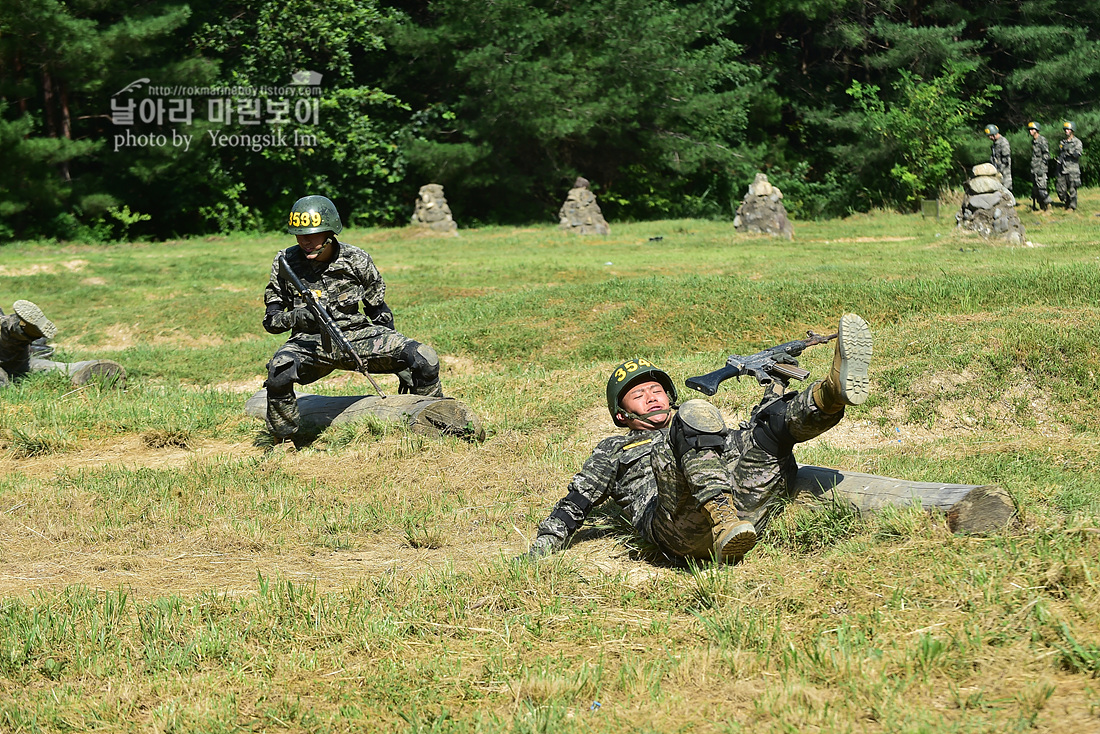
{"x": 282, "y": 373}
{"x": 697, "y": 425}
{"x": 423, "y": 363}
{"x": 770, "y": 432}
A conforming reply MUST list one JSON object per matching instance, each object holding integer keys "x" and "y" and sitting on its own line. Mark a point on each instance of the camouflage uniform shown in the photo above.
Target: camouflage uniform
{"x": 1040, "y": 161}
{"x": 15, "y": 353}
{"x": 1069, "y": 171}
{"x": 663, "y": 498}
{"x": 21, "y": 333}
{"x": 351, "y": 287}
{"x": 1000, "y": 155}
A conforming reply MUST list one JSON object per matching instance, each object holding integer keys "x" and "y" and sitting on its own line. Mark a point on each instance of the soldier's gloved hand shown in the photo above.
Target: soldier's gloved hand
{"x": 543, "y": 546}
{"x": 276, "y": 322}
{"x": 303, "y": 319}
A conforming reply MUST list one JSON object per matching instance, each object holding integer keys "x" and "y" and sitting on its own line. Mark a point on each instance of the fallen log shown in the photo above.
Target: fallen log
{"x": 80, "y": 373}
{"x": 424, "y": 416}
{"x": 970, "y": 508}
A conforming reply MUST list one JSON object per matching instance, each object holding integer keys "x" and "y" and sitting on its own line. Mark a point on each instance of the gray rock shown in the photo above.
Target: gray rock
{"x": 986, "y": 169}
{"x": 762, "y": 211}
{"x": 991, "y": 214}
{"x": 432, "y": 210}
{"x": 983, "y": 185}
{"x": 581, "y": 213}
{"x": 984, "y": 201}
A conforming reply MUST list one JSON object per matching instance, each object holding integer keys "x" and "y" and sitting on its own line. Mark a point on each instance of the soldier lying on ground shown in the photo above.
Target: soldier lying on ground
{"x": 18, "y": 331}
{"x": 24, "y": 348}
{"x": 684, "y": 480}
{"x": 349, "y": 285}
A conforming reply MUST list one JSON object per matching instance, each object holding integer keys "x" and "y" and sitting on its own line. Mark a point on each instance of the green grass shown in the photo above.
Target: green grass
{"x": 161, "y": 570}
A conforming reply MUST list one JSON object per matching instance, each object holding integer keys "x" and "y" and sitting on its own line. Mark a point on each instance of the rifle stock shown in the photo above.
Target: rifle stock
{"x": 708, "y": 383}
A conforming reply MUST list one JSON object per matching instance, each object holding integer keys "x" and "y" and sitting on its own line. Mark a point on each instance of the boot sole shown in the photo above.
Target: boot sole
{"x": 735, "y": 542}
{"x": 854, "y": 344}
{"x": 33, "y": 315}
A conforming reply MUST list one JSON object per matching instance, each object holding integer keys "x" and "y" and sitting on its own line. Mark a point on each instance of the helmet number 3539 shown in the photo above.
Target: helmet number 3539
{"x": 305, "y": 219}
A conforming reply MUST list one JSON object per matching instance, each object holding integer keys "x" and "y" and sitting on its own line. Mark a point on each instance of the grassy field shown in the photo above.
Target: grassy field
{"x": 160, "y": 570}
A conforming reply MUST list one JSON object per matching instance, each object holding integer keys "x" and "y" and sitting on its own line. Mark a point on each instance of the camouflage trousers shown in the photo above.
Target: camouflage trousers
{"x": 303, "y": 360}
{"x": 749, "y": 469}
{"x": 1065, "y": 185}
{"x": 1040, "y": 187}
{"x": 15, "y": 354}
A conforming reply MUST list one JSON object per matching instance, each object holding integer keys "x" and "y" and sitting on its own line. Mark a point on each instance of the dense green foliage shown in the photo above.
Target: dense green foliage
{"x": 669, "y": 107}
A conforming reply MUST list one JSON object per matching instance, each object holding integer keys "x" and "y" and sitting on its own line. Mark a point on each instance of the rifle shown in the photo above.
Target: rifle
{"x": 330, "y": 332}
{"x": 767, "y": 366}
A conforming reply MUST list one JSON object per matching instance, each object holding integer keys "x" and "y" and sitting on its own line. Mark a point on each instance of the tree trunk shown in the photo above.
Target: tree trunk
{"x": 970, "y": 508}
{"x": 425, "y": 416}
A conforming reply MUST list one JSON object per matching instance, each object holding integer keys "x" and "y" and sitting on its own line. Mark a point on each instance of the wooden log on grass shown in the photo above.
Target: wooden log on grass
{"x": 970, "y": 508}
{"x": 80, "y": 373}
{"x": 424, "y": 416}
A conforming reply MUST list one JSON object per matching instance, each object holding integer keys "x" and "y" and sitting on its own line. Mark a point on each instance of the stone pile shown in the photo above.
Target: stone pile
{"x": 762, "y": 211}
{"x": 432, "y": 210}
{"x": 580, "y": 213}
{"x": 988, "y": 208}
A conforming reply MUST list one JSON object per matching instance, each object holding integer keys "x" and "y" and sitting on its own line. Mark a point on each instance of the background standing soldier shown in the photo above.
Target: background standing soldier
{"x": 687, "y": 482}
{"x": 1040, "y": 163}
{"x": 1000, "y": 155}
{"x": 348, "y": 284}
{"x": 1069, "y": 167}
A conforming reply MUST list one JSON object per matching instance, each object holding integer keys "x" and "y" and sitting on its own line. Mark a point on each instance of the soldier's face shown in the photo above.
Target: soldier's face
{"x": 646, "y": 397}
{"x": 1034, "y": 134}
{"x": 316, "y": 246}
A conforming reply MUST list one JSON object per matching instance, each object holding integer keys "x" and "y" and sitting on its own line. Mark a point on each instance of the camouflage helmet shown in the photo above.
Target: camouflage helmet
{"x": 992, "y": 130}
{"x": 1033, "y": 126}
{"x": 312, "y": 214}
{"x": 1069, "y": 126}
{"x": 630, "y": 373}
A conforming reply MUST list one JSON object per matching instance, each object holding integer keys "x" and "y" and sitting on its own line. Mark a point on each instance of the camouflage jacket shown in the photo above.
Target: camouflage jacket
{"x": 1069, "y": 155}
{"x": 619, "y": 468}
{"x": 349, "y": 285}
{"x": 1000, "y": 155}
{"x": 1040, "y": 156}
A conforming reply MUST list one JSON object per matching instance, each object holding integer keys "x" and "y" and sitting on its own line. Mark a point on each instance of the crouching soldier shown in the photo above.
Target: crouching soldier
{"x": 684, "y": 479}
{"x": 349, "y": 286}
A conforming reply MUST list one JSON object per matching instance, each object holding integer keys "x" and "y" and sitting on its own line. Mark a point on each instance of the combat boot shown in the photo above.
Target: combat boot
{"x": 732, "y": 536}
{"x": 35, "y": 323}
{"x": 847, "y": 382}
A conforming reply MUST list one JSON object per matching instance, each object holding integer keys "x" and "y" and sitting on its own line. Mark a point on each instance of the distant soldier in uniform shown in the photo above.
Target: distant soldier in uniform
{"x": 18, "y": 331}
{"x": 1000, "y": 155}
{"x": 1040, "y": 162}
{"x": 347, "y": 282}
{"x": 1069, "y": 167}
{"x": 687, "y": 482}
